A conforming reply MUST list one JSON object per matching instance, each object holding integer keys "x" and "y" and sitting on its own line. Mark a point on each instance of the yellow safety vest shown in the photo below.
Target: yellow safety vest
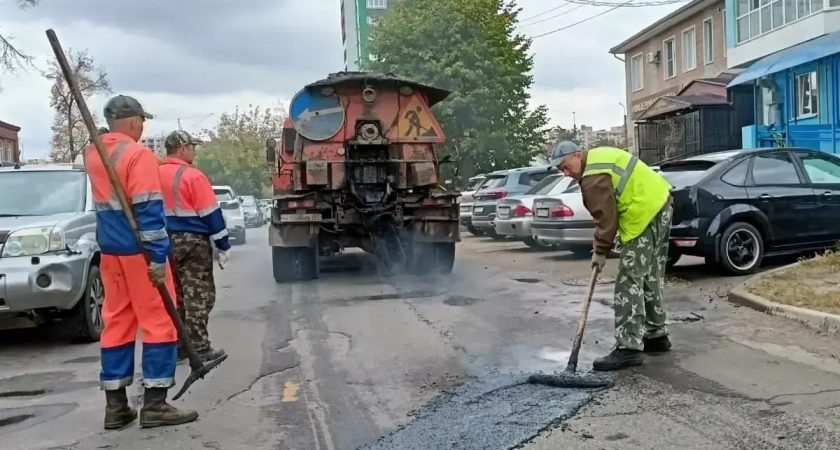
{"x": 640, "y": 193}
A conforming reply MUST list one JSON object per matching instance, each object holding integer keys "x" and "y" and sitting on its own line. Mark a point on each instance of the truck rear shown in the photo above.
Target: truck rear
{"x": 357, "y": 167}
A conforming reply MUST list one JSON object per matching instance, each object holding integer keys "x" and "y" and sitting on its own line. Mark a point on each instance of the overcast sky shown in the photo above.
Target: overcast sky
{"x": 188, "y": 59}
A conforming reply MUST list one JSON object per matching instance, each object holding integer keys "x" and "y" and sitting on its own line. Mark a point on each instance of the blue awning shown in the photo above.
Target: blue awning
{"x": 790, "y": 57}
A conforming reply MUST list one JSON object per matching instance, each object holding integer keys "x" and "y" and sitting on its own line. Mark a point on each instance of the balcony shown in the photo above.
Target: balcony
{"x": 764, "y": 27}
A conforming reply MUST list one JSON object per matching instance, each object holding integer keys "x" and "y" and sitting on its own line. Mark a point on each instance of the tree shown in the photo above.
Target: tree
{"x": 235, "y": 155}
{"x": 605, "y": 142}
{"x": 11, "y": 58}
{"x": 471, "y": 48}
{"x": 69, "y": 132}
{"x": 559, "y": 134}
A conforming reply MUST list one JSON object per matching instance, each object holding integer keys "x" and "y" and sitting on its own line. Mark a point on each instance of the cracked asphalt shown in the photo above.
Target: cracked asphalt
{"x": 354, "y": 361}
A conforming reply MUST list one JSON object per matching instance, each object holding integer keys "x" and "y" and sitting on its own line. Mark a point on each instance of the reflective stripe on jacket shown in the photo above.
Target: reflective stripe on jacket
{"x": 190, "y": 202}
{"x": 640, "y": 192}
{"x": 137, "y": 169}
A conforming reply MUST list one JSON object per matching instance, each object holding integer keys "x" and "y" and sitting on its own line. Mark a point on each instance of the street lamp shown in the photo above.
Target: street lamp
{"x": 624, "y": 108}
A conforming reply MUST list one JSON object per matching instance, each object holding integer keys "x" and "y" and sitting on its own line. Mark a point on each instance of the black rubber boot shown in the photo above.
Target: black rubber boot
{"x": 620, "y": 358}
{"x": 117, "y": 412}
{"x": 211, "y": 355}
{"x": 157, "y": 413}
{"x": 657, "y": 345}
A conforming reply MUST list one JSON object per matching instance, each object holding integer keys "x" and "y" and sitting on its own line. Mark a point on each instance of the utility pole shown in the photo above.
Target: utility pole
{"x": 626, "y": 141}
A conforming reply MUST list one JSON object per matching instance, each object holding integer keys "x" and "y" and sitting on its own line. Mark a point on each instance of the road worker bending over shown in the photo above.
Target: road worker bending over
{"x": 624, "y": 195}
{"x": 131, "y": 286}
{"x": 193, "y": 219}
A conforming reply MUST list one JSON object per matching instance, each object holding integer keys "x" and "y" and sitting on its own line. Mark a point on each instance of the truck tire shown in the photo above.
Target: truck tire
{"x": 433, "y": 258}
{"x": 290, "y": 264}
{"x": 86, "y": 322}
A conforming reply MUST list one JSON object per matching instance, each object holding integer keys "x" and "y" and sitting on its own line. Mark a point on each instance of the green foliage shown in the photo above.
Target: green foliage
{"x": 560, "y": 134}
{"x": 235, "y": 156}
{"x": 471, "y": 48}
{"x": 606, "y": 143}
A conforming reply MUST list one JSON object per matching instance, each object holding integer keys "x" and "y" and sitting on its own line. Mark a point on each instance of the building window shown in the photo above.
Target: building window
{"x": 807, "y": 95}
{"x": 834, "y": 3}
{"x": 377, "y": 4}
{"x": 689, "y": 49}
{"x": 708, "y": 42}
{"x": 757, "y": 17}
{"x": 670, "y": 58}
{"x": 637, "y": 72}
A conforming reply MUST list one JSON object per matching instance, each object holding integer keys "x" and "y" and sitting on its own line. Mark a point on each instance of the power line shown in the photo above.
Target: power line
{"x": 582, "y": 21}
{"x": 565, "y": 3}
{"x": 562, "y": 13}
{"x": 641, "y": 4}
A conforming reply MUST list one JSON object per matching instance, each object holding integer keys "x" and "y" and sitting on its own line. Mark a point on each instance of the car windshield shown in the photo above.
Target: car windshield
{"x": 545, "y": 185}
{"x": 248, "y": 201}
{"x": 494, "y": 181}
{"x": 473, "y": 184}
{"x": 223, "y": 195}
{"x": 42, "y": 193}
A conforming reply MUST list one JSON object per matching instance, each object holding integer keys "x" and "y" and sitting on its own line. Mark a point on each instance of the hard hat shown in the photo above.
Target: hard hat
{"x": 560, "y": 150}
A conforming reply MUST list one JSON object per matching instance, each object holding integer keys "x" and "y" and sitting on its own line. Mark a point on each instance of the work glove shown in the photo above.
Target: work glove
{"x": 222, "y": 257}
{"x": 157, "y": 273}
{"x": 599, "y": 261}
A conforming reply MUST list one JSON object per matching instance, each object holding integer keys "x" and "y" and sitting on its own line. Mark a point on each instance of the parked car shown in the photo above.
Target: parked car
{"x": 515, "y": 214}
{"x": 735, "y": 208}
{"x": 252, "y": 212}
{"x": 562, "y": 220}
{"x": 49, "y": 262}
{"x": 232, "y": 212}
{"x": 466, "y": 201}
{"x": 502, "y": 184}
{"x": 265, "y": 207}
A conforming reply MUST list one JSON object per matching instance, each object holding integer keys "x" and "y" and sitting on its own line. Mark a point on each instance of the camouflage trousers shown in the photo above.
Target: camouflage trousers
{"x": 192, "y": 261}
{"x": 639, "y": 310}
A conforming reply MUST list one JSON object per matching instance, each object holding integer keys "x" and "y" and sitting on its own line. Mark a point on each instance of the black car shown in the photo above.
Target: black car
{"x": 736, "y": 207}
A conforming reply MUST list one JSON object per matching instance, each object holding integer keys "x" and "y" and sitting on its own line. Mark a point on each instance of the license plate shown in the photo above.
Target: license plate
{"x": 300, "y": 218}
{"x": 542, "y": 212}
{"x": 478, "y": 209}
{"x": 504, "y": 210}
{"x": 465, "y": 209}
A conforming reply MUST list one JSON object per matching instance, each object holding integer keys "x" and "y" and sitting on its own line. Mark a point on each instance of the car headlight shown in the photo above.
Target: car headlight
{"x": 34, "y": 241}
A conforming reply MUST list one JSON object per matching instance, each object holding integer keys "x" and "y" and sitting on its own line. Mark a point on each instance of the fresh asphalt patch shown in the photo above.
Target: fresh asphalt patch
{"x": 500, "y": 413}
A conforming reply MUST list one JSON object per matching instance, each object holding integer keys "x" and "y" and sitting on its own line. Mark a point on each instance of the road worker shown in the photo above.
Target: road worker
{"x": 193, "y": 219}
{"x": 131, "y": 284}
{"x": 626, "y": 196}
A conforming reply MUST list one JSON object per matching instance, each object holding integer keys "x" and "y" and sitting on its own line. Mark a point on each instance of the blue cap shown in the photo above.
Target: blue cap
{"x": 560, "y": 150}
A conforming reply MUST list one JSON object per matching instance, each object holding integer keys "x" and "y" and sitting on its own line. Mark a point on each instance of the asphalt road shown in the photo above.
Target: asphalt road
{"x": 355, "y": 360}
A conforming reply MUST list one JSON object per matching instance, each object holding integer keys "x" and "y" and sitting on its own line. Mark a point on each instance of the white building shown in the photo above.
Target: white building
{"x": 155, "y": 143}
{"x": 357, "y": 17}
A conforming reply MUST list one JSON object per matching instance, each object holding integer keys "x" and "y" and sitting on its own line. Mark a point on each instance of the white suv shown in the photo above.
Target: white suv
{"x": 232, "y": 212}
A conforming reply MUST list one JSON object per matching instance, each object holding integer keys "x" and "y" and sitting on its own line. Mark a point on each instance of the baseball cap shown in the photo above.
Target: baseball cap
{"x": 123, "y": 107}
{"x": 179, "y": 137}
{"x": 560, "y": 150}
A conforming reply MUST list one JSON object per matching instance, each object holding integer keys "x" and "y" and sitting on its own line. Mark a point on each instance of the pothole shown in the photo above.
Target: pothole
{"x": 527, "y": 280}
{"x": 32, "y": 393}
{"x": 14, "y": 420}
{"x": 585, "y": 281}
{"x": 397, "y": 295}
{"x": 459, "y": 300}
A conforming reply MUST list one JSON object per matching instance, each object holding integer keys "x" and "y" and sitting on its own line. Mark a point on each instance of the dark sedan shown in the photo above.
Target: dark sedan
{"x": 736, "y": 207}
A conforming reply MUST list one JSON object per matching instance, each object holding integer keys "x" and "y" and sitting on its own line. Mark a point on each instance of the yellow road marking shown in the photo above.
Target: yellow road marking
{"x": 290, "y": 392}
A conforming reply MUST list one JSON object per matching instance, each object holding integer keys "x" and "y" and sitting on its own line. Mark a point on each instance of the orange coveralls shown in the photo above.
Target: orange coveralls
{"x": 131, "y": 300}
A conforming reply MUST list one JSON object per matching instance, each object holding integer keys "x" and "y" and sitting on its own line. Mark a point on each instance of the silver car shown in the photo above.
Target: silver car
{"x": 49, "y": 261}
{"x": 466, "y": 201}
{"x": 515, "y": 214}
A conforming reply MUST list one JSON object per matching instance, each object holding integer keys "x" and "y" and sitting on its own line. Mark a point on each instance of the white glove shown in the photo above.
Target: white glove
{"x": 599, "y": 261}
{"x": 157, "y": 273}
{"x": 222, "y": 257}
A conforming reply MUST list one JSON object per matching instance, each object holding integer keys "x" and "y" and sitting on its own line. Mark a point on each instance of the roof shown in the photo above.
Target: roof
{"x": 790, "y": 57}
{"x": 435, "y": 95}
{"x": 688, "y": 10}
{"x": 667, "y": 104}
{"x": 9, "y": 126}
{"x": 42, "y": 168}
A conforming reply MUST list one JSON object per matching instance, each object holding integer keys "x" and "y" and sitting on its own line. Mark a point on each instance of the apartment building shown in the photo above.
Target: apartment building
{"x": 664, "y": 58}
{"x": 791, "y": 55}
{"x": 357, "y": 18}
{"x": 9, "y": 142}
{"x": 156, "y": 144}
{"x": 589, "y": 136}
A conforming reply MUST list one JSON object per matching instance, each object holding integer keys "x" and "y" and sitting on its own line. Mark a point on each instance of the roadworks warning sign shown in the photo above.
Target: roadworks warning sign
{"x": 416, "y": 122}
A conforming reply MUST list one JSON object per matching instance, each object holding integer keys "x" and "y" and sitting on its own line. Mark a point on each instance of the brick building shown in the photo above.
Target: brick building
{"x": 666, "y": 57}
{"x": 9, "y": 142}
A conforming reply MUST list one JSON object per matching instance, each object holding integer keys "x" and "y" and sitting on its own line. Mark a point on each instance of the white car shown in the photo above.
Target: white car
{"x": 232, "y": 212}
{"x": 466, "y": 201}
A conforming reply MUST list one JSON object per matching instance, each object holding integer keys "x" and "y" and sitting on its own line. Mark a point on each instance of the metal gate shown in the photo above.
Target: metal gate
{"x": 671, "y": 138}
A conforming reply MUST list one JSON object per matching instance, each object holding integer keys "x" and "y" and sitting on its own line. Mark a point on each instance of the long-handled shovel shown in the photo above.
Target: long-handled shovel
{"x": 569, "y": 378}
{"x": 197, "y": 369}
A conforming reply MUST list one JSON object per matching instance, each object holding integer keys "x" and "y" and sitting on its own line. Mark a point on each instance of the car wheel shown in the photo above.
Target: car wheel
{"x": 294, "y": 263}
{"x": 741, "y": 249}
{"x": 474, "y": 231}
{"x": 87, "y": 322}
{"x": 537, "y": 244}
{"x": 495, "y": 236}
{"x": 244, "y": 238}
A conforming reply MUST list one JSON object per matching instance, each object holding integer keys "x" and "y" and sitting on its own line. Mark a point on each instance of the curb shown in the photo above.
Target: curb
{"x": 815, "y": 319}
